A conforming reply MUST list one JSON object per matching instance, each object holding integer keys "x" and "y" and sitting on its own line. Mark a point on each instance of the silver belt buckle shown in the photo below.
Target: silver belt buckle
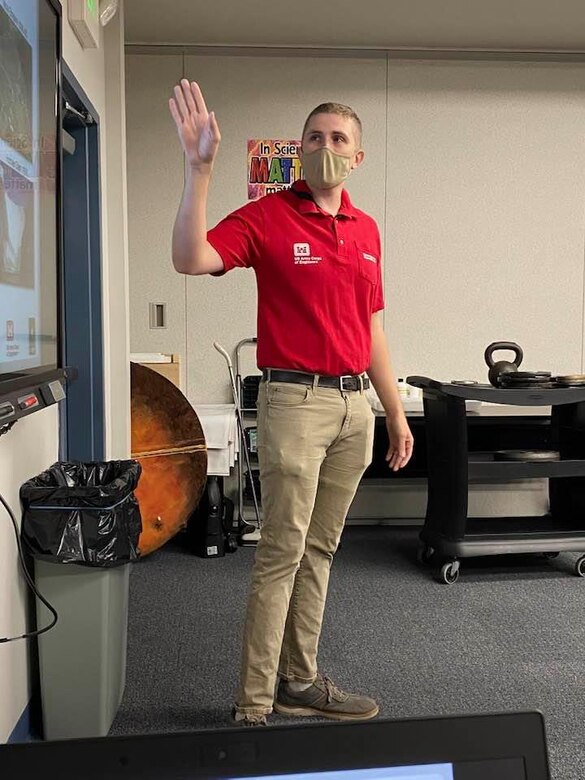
{"x": 347, "y": 376}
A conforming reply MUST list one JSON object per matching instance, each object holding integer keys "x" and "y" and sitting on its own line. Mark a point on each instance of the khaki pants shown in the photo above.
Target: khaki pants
{"x": 314, "y": 444}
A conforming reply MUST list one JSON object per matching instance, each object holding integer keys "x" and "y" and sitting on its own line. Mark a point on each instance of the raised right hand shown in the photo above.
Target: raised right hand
{"x": 198, "y": 130}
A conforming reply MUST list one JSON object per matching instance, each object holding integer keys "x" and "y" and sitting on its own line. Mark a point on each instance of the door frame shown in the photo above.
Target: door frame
{"x": 82, "y": 425}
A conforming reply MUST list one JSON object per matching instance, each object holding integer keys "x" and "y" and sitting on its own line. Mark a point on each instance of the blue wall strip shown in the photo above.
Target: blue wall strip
{"x": 29, "y": 726}
{"x": 22, "y": 730}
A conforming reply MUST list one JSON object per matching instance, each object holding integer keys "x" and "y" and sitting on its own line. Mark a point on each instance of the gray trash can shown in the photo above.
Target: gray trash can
{"x": 81, "y": 524}
{"x": 82, "y": 660}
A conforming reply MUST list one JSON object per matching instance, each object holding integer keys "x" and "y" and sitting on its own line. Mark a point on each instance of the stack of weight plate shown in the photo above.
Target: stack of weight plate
{"x": 525, "y": 379}
{"x": 570, "y": 380}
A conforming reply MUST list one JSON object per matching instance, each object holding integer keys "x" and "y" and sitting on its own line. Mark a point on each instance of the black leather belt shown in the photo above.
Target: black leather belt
{"x": 347, "y": 383}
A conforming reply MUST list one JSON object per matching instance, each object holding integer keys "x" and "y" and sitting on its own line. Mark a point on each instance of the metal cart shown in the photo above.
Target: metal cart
{"x": 448, "y": 533}
{"x": 249, "y": 527}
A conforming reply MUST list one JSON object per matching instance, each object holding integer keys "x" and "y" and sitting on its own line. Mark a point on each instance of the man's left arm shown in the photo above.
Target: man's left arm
{"x": 382, "y": 377}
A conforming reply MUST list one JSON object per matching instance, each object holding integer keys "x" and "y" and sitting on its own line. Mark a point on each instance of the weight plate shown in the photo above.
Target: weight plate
{"x": 526, "y": 385}
{"x": 577, "y": 380}
{"x": 507, "y": 380}
{"x": 526, "y": 455}
{"x": 528, "y": 375}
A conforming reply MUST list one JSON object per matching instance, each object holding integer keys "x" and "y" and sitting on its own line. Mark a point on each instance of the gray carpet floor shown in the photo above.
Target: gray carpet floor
{"x": 507, "y": 636}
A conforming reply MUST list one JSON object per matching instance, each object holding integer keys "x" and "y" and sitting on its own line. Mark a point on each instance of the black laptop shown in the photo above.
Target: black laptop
{"x": 510, "y": 746}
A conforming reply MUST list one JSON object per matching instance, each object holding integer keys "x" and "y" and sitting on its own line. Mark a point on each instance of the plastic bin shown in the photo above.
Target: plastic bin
{"x": 81, "y": 524}
{"x": 250, "y": 386}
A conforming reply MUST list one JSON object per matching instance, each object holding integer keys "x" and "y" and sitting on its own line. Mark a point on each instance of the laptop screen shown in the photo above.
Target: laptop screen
{"x": 507, "y": 769}
{"x": 509, "y": 746}
{"x": 430, "y": 772}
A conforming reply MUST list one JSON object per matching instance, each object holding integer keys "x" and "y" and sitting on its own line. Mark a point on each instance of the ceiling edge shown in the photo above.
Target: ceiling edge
{"x": 422, "y": 53}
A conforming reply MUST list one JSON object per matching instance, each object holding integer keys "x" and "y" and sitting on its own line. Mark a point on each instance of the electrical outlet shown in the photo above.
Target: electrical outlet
{"x": 158, "y": 315}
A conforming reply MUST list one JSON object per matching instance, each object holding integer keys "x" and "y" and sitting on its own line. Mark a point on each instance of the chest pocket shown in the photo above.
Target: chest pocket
{"x": 367, "y": 263}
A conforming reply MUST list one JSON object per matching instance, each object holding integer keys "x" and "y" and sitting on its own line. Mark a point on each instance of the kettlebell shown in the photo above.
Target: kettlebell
{"x": 502, "y": 366}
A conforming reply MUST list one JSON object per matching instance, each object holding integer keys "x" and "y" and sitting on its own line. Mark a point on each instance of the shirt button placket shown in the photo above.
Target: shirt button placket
{"x": 341, "y": 242}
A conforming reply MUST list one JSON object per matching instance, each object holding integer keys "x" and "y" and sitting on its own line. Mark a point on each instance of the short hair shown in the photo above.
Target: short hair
{"x": 340, "y": 110}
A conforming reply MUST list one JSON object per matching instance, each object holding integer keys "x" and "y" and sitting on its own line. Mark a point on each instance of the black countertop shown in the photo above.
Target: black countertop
{"x": 537, "y": 396}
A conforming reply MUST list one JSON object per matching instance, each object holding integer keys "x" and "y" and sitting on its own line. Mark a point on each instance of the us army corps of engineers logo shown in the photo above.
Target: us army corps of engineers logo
{"x": 302, "y": 255}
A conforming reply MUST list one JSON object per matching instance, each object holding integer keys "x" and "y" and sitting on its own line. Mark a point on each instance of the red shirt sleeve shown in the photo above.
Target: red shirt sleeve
{"x": 378, "y": 299}
{"x": 239, "y": 237}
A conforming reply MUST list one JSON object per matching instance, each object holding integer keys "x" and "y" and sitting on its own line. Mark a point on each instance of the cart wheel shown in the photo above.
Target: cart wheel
{"x": 231, "y": 544}
{"x": 424, "y": 554}
{"x": 450, "y": 573}
{"x": 551, "y": 555}
{"x": 580, "y": 567}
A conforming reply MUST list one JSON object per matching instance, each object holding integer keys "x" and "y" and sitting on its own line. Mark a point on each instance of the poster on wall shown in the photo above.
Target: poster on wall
{"x": 272, "y": 166}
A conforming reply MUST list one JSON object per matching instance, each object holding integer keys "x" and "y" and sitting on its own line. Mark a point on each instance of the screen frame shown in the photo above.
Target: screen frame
{"x": 244, "y": 752}
{"x": 29, "y": 378}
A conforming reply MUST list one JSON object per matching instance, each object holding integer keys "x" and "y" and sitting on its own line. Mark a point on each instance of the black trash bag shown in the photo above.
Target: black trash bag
{"x": 83, "y": 513}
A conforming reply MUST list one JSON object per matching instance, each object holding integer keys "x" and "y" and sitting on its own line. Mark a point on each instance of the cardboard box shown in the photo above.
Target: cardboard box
{"x": 168, "y": 366}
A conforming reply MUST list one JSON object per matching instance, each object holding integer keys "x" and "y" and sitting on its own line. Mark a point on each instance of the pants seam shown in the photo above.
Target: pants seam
{"x": 252, "y": 710}
{"x": 296, "y": 678}
{"x": 293, "y": 607}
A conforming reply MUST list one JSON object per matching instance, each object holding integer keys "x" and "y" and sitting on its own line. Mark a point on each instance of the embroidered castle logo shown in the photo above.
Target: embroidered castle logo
{"x": 302, "y": 255}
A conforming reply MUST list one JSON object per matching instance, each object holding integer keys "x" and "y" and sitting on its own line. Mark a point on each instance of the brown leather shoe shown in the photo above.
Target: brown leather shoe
{"x": 323, "y": 699}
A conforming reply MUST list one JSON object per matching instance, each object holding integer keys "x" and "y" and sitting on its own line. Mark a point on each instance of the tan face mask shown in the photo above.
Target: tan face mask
{"x": 324, "y": 169}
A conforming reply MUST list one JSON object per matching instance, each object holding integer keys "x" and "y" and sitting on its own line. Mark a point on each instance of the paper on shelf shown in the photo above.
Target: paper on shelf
{"x": 150, "y": 357}
{"x": 219, "y": 425}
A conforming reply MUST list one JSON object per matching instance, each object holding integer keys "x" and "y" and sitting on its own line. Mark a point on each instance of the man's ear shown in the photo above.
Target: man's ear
{"x": 359, "y": 158}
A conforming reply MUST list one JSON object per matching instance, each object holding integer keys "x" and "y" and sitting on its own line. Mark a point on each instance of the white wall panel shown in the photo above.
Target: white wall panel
{"x": 155, "y": 183}
{"x": 25, "y": 451}
{"x": 475, "y": 171}
{"x": 486, "y": 199}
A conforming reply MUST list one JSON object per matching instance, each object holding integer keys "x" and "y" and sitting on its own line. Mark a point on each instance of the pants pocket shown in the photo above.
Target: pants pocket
{"x": 287, "y": 394}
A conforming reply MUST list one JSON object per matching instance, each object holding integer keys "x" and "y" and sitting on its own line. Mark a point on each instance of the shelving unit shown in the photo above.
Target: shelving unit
{"x": 246, "y": 505}
{"x": 246, "y": 515}
{"x": 448, "y": 533}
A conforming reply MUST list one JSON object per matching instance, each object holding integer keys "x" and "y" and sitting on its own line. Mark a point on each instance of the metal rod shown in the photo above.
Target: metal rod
{"x": 227, "y": 358}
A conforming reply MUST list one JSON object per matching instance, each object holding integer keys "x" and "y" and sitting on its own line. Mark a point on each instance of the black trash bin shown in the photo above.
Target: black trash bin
{"x": 84, "y": 513}
{"x": 81, "y": 524}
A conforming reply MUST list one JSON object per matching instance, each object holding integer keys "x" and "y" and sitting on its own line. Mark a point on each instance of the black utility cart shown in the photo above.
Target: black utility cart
{"x": 448, "y": 533}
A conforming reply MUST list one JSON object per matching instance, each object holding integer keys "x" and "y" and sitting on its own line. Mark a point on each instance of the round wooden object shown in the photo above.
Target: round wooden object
{"x": 169, "y": 443}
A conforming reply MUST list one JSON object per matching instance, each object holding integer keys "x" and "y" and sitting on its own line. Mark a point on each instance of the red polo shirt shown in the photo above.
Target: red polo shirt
{"x": 318, "y": 276}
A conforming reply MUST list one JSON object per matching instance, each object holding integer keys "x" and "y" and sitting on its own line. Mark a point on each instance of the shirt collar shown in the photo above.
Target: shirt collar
{"x": 306, "y": 203}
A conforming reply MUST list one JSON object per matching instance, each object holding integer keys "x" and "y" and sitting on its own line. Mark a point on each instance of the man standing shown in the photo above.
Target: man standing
{"x": 317, "y": 261}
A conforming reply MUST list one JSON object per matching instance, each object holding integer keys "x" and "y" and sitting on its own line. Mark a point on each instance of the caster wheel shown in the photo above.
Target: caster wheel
{"x": 231, "y": 544}
{"x": 424, "y": 554}
{"x": 450, "y": 573}
{"x": 580, "y": 567}
{"x": 550, "y": 555}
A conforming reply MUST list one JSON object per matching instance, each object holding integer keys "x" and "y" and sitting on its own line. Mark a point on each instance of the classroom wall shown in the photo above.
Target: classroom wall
{"x": 472, "y": 171}
{"x": 33, "y": 444}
